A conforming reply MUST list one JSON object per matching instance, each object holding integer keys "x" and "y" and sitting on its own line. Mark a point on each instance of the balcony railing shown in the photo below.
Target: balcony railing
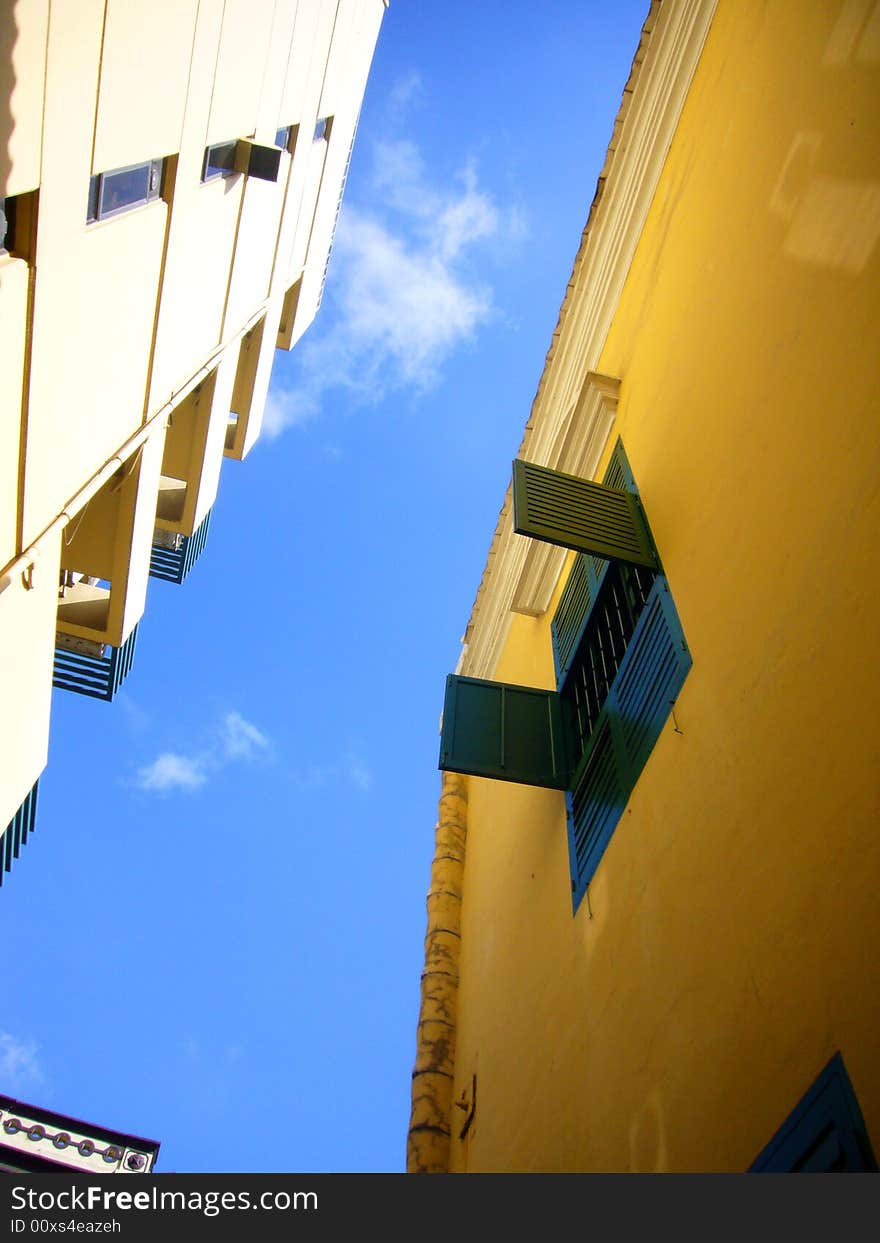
{"x": 98, "y": 674}
{"x": 18, "y": 831}
{"x": 173, "y": 556}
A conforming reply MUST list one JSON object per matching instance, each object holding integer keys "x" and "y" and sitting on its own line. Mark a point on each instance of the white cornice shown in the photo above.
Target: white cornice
{"x": 569, "y": 412}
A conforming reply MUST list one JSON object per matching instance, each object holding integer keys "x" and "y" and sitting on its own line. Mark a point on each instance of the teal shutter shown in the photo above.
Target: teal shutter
{"x": 585, "y": 579}
{"x": 824, "y": 1134}
{"x": 577, "y": 513}
{"x": 571, "y": 616}
{"x": 512, "y": 733}
{"x": 651, "y": 674}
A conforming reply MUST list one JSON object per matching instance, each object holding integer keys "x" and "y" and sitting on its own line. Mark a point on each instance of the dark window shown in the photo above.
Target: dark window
{"x": 7, "y": 223}
{"x": 123, "y": 188}
{"x": 825, "y": 1133}
{"x": 219, "y": 160}
{"x": 18, "y": 216}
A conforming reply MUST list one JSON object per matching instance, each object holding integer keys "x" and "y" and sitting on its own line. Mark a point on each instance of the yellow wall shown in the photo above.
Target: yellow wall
{"x": 726, "y": 951}
{"x": 143, "y": 44}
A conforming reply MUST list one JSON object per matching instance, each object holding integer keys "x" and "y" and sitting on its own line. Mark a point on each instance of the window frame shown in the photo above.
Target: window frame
{"x": 211, "y": 172}
{"x": 156, "y": 170}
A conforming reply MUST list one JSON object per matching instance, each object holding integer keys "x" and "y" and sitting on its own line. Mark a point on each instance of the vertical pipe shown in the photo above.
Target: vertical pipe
{"x": 432, "y": 1081}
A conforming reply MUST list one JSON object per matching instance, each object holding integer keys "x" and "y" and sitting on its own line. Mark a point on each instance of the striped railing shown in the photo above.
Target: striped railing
{"x": 173, "y": 564}
{"x": 99, "y": 677}
{"x": 18, "y": 831}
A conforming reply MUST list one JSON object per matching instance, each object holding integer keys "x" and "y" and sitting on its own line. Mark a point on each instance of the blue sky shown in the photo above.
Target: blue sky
{"x": 214, "y": 938}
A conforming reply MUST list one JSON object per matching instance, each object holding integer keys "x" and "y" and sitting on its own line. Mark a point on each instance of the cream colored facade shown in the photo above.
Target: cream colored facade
{"x": 138, "y": 327}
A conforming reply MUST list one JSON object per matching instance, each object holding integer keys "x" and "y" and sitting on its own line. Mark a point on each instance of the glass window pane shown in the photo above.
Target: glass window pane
{"x": 282, "y": 137}
{"x": 125, "y": 188}
{"x": 219, "y": 160}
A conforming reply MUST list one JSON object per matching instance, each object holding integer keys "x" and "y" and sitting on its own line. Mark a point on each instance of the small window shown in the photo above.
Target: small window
{"x": 322, "y": 129}
{"x": 219, "y": 160}
{"x": 7, "y": 223}
{"x": 123, "y": 188}
{"x": 282, "y": 137}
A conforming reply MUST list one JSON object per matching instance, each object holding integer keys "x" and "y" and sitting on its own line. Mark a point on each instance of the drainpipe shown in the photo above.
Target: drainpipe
{"x": 428, "y": 1141}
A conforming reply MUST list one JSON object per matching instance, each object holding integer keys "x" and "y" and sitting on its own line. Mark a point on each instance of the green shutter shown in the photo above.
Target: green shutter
{"x": 651, "y": 674}
{"x": 577, "y": 513}
{"x": 512, "y": 733}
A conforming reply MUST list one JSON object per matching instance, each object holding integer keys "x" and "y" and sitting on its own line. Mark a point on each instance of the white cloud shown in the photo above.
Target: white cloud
{"x": 405, "y": 90}
{"x": 241, "y": 739}
{"x": 19, "y": 1067}
{"x": 405, "y": 289}
{"x": 170, "y": 771}
{"x": 233, "y": 740}
{"x": 359, "y": 775}
{"x": 352, "y": 770}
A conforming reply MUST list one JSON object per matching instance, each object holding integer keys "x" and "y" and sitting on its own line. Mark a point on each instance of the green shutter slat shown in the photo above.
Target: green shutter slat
{"x": 651, "y": 674}
{"x": 509, "y": 732}
{"x": 571, "y": 617}
{"x": 577, "y": 513}
{"x": 595, "y": 805}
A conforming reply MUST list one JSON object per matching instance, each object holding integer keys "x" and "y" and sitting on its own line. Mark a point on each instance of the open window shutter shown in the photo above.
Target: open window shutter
{"x": 825, "y": 1132}
{"x": 512, "y": 733}
{"x": 651, "y": 674}
{"x": 648, "y": 681}
{"x": 577, "y": 513}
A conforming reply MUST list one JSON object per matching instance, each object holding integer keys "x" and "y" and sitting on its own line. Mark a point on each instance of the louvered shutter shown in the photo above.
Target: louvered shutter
{"x": 584, "y": 581}
{"x": 577, "y": 513}
{"x": 512, "y": 733}
{"x": 651, "y": 674}
{"x": 825, "y": 1132}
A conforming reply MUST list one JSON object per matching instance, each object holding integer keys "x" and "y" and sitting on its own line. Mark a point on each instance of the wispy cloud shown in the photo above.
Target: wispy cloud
{"x": 20, "y": 1069}
{"x": 170, "y": 771}
{"x": 407, "y": 289}
{"x": 405, "y": 90}
{"x": 351, "y": 770}
{"x": 234, "y": 739}
{"x": 241, "y": 739}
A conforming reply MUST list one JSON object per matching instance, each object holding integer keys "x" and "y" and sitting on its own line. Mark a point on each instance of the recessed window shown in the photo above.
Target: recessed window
{"x": 7, "y": 223}
{"x": 282, "y": 137}
{"x": 322, "y": 128}
{"x": 219, "y": 160}
{"x": 17, "y": 221}
{"x": 123, "y": 188}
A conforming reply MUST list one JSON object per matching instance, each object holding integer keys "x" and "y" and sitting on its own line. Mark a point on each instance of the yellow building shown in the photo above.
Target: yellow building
{"x": 653, "y": 909}
{"x": 170, "y": 178}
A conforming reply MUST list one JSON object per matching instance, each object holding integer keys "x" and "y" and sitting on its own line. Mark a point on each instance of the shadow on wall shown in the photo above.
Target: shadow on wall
{"x": 8, "y": 40}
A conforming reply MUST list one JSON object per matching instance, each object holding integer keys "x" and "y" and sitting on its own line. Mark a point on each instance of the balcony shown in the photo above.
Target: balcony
{"x": 174, "y": 555}
{"x": 92, "y": 668}
{"x": 18, "y": 831}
